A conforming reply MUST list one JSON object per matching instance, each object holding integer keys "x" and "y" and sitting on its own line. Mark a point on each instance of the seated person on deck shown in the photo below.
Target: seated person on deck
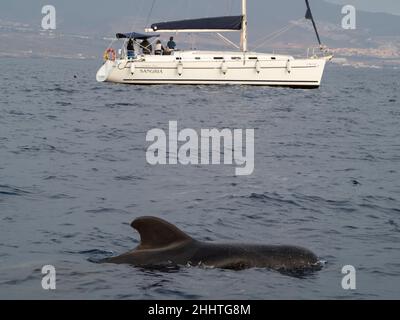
{"x": 146, "y": 46}
{"x": 171, "y": 45}
{"x": 159, "y": 48}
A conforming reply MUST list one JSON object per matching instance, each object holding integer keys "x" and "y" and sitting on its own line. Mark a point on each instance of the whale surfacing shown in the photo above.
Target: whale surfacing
{"x": 164, "y": 244}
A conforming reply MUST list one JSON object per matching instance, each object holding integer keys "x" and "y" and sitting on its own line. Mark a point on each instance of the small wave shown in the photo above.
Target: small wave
{"x": 379, "y": 208}
{"x": 112, "y": 134}
{"x": 119, "y": 104}
{"x": 63, "y": 104}
{"x": 395, "y": 225}
{"x": 350, "y": 227}
{"x": 274, "y": 197}
{"x": 106, "y": 210}
{"x": 19, "y": 113}
{"x": 93, "y": 251}
{"x": 50, "y": 178}
{"x": 96, "y": 88}
{"x": 62, "y": 90}
{"x": 95, "y": 255}
{"x": 61, "y": 196}
{"x": 19, "y": 281}
{"x": 12, "y": 191}
{"x": 128, "y": 178}
{"x": 303, "y": 273}
{"x": 38, "y": 148}
{"x": 340, "y": 204}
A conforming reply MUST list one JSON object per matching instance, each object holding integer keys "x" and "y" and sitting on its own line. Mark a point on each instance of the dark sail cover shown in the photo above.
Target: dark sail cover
{"x": 217, "y": 23}
{"x": 135, "y": 35}
{"x": 309, "y": 16}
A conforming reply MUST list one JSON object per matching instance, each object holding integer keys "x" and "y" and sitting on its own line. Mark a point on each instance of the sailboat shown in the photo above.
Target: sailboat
{"x": 194, "y": 67}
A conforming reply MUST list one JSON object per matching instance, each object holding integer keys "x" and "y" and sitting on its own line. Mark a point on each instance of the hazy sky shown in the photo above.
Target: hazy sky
{"x": 388, "y": 6}
{"x": 28, "y": 8}
{"x": 82, "y": 15}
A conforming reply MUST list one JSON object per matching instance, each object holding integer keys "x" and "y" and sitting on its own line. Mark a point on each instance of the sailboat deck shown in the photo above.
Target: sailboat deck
{"x": 214, "y": 56}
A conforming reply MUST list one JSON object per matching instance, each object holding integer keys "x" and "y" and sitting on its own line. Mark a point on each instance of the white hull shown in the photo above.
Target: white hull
{"x": 199, "y": 67}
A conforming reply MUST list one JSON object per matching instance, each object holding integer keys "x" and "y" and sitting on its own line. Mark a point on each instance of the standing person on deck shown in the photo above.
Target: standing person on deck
{"x": 130, "y": 49}
{"x": 171, "y": 45}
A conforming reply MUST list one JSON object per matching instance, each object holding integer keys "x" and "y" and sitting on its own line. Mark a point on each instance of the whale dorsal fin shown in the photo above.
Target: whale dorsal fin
{"x": 157, "y": 233}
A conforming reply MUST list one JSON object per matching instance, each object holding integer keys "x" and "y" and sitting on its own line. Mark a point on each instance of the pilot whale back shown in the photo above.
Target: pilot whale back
{"x": 163, "y": 244}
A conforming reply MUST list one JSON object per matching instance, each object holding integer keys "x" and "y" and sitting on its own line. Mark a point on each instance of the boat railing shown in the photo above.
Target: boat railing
{"x": 318, "y": 52}
{"x": 311, "y": 52}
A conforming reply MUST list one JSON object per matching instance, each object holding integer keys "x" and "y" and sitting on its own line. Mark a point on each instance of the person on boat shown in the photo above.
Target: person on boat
{"x": 130, "y": 49}
{"x": 159, "y": 48}
{"x": 146, "y": 46}
{"x": 171, "y": 45}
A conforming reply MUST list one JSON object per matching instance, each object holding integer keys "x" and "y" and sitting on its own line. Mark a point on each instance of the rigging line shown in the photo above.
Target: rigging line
{"x": 111, "y": 43}
{"x": 274, "y": 37}
{"x": 187, "y": 9}
{"x": 227, "y": 40}
{"x": 125, "y": 41}
{"x": 229, "y": 7}
{"x": 209, "y": 12}
{"x": 134, "y": 24}
{"x": 150, "y": 13}
{"x": 280, "y": 30}
{"x": 277, "y": 33}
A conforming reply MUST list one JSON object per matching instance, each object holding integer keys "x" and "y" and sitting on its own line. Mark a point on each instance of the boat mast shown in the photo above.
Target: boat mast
{"x": 243, "y": 39}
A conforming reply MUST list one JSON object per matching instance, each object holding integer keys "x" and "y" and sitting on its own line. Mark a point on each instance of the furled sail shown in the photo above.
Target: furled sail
{"x": 216, "y": 24}
{"x": 309, "y": 16}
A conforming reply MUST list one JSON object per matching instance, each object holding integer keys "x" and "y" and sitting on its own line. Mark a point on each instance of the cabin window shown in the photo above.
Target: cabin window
{"x": 236, "y": 58}
{"x": 253, "y": 58}
{"x": 197, "y": 58}
{"x": 218, "y": 58}
{"x": 273, "y": 58}
{"x": 178, "y": 58}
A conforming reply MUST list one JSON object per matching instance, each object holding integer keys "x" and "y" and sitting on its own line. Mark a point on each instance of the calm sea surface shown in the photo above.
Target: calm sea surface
{"x": 73, "y": 175}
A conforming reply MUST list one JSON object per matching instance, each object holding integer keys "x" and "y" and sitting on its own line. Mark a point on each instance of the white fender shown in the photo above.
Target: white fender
{"x": 224, "y": 67}
{"x": 289, "y": 66}
{"x": 180, "y": 68}
{"x": 133, "y": 68}
{"x": 258, "y": 66}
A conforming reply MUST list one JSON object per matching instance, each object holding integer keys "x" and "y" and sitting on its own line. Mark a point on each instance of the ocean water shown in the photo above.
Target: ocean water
{"x": 73, "y": 175}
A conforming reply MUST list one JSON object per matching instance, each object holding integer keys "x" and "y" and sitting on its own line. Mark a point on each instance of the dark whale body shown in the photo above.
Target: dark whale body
{"x": 164, "y": 244}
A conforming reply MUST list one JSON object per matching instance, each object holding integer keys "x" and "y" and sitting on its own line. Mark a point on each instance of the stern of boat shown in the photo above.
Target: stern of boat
{"x": 105, "y": 70}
